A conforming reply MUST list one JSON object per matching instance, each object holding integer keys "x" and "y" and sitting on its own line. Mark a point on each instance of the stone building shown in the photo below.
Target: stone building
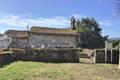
{"x": 39, "y": 37}
{"x": 13, "y": 39}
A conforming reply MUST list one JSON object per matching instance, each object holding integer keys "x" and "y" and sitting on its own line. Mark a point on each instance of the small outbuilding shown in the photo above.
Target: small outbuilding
{"x": 13, "y": 39}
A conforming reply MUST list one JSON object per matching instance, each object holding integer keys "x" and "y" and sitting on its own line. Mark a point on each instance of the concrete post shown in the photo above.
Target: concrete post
{"x": 108, "y": 46}
{"x": 105, "y": 55}
{"x": 94, "y": 58}
{"x": 111, "y": 55}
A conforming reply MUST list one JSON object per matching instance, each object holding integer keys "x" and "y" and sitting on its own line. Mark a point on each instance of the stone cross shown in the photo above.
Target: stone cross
{"x": 73, "y": 21}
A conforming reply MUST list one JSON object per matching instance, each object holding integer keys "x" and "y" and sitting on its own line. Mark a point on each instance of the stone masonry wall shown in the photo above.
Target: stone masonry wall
{"x": 52, "y": 41}
{"x": 45, "y": 55}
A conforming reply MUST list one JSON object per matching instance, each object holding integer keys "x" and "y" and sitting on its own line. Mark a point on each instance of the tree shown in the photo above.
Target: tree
{"x": 89, "y": 33}
{"x": 88, "y": 24}
{"x": 116, "y": 44}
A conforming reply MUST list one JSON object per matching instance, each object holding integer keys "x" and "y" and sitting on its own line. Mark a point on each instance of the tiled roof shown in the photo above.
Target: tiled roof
{"x": 16, "y": 33}
{"x": 39, "y": 30}
{"x": 45, "y": 30}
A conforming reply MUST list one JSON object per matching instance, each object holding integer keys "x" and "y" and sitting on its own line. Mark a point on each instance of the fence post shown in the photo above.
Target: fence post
{"x": 94, "y": 59}
{"x": 108, "y": 46}
{"x": 111, "y": 55}
{"x": 105, "y": 55}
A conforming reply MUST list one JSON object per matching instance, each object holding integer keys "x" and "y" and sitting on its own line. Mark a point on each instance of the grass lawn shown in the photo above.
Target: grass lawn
{"x": 62, "y": 71}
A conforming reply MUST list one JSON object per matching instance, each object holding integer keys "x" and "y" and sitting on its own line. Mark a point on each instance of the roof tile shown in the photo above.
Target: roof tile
{"x": 53, "y": 30}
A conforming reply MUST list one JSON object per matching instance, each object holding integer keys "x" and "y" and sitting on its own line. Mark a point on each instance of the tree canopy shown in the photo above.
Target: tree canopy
{"x": 89, "y": 33}
{"x": 88, "y": 24}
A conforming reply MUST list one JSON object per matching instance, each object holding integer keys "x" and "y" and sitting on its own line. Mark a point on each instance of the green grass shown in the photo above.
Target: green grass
{"x": 62, "y": 71}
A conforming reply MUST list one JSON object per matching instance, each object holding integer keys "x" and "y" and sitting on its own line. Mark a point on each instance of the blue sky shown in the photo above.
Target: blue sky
{"x": 16, "y": 14}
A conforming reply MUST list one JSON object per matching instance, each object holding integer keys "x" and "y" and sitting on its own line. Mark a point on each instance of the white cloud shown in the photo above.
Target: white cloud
{"x": 20, "y": 22}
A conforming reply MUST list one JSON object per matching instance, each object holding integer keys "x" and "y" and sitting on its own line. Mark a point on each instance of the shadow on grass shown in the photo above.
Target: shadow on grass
{"x": 44, "y": 61}
{"x": 2, "y": 65}
{"x": 86, "y": 63}
{"x": 5, "y": 64}
{"x": 50, "y": 61}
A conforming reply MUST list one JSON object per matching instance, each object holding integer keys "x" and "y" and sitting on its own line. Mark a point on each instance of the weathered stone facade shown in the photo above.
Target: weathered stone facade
{"x": 52, "y": 38}
{"x": 52, "y": 41}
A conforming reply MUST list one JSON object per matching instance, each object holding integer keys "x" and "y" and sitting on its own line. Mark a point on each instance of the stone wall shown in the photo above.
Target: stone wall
{"x": 111, "y": 56}
{"x": 52, "y": 41}
{"x": 18, "y": 43}
{"x": 45, "y": 55}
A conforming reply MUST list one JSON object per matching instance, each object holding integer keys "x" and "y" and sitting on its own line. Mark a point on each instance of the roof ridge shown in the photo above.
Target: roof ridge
{"x": 16, "y": 30}
{"x": 46, "y": 30}
{"x": 33, "y": 27}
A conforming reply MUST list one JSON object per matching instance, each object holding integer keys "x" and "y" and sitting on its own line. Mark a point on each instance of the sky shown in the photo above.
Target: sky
{"x": 17, "y": 14}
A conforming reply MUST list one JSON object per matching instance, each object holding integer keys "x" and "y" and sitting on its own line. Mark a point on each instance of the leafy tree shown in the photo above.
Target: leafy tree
{"x": 89, "y": 33}
{"x": 88, "y": 24}
{"x": 116, "y": 43}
